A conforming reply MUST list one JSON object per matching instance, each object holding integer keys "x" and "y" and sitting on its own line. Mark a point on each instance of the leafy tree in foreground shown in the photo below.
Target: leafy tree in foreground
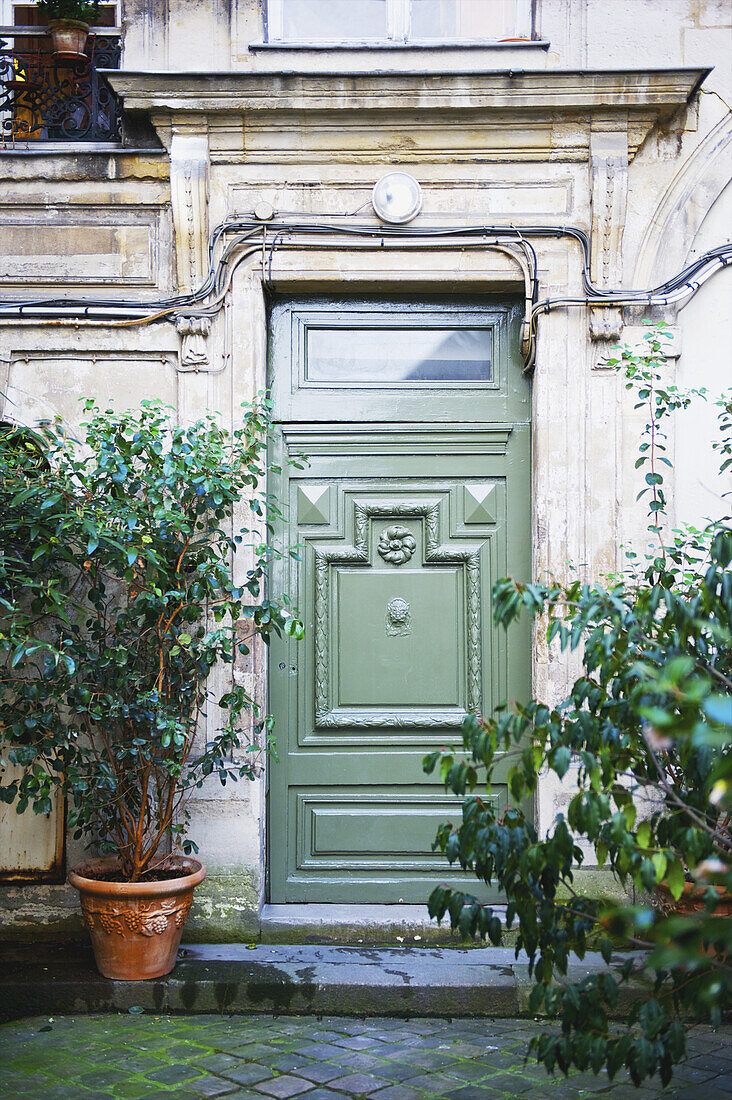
{"x": 644, "y": 737}
{"x": 118, "y": 598}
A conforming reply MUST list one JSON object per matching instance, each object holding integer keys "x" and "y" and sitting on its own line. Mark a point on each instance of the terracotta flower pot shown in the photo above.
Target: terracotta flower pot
{"x": 692, "y": 900}
{"x": 68, "y": 38}
{"x": 135, "y": 926}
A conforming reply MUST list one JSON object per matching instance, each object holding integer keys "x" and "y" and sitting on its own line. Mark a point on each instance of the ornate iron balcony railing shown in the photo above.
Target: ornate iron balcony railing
{"x": 44, "y": 98}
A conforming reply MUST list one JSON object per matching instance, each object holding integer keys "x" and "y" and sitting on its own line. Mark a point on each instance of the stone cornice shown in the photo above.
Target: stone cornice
{"x": 659, "y": 92}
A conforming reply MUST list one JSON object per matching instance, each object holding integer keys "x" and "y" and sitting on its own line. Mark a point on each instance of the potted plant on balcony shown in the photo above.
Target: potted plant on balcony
{"x": 68, "y": 24}
{"x": 117, "y": 600}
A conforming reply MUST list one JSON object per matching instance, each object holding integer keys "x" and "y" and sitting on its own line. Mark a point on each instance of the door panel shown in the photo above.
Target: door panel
{"x": 403, "y": 528}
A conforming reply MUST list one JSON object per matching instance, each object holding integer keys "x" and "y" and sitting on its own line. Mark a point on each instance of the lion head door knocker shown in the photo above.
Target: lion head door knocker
{"x": 398, "y": 617}
{"x": 396, "y": 544}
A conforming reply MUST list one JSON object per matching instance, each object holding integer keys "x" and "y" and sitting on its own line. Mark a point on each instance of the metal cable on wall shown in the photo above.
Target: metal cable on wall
{"x": 240, "y": 237}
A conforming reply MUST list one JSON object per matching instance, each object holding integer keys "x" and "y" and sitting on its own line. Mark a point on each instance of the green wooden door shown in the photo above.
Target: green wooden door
{"x": 415, "y": 418}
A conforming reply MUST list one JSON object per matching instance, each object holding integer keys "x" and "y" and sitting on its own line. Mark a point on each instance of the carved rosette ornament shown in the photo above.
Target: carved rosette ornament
{"x": 396, "y": 544}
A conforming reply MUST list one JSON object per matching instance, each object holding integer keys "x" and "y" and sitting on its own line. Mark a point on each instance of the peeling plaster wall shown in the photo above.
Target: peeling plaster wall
{"x": 651, "y": 195}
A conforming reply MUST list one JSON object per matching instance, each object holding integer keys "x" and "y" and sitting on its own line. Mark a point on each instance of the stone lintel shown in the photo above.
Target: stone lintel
{"x": 663, "y": 91}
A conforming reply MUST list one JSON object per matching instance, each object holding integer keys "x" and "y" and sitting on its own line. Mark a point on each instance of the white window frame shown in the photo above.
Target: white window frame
{"x": 398, "y": 19}
{"x": 7, "y": 10}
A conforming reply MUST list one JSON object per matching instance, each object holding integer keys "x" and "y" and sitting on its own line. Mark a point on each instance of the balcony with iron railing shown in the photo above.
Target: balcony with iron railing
{"x": 45, "y": 98}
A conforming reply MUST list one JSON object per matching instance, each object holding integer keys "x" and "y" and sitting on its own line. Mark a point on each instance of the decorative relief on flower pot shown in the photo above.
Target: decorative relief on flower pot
{"x": 135, "y": 927}
{"x": 398, "y": 617}
{"x": 692, "y": 900}
{"x": 396, "y": 544}
{"x": 147, "y": 918}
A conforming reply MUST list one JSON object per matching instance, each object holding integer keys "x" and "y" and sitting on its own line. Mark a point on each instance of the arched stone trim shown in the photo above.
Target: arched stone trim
{"x": 681, "y": 211}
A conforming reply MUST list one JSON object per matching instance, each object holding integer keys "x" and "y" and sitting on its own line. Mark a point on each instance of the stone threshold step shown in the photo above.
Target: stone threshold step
{"x": 354, "y": 924}
{"x": 275, "y": 978}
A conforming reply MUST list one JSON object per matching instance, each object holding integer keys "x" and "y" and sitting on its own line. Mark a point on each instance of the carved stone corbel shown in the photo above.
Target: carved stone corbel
{"x": 609, "y": 170}
{"x": 189, "y": 164}
{"x": 193, "y": 332}
{"x": 606, "y": 322}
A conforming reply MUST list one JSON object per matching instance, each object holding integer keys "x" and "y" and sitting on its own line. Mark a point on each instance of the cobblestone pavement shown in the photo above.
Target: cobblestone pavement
{"x": 319, "y": 1059}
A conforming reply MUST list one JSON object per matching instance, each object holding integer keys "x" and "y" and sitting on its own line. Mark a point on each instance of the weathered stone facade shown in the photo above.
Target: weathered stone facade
{"x": 608, "y": 121}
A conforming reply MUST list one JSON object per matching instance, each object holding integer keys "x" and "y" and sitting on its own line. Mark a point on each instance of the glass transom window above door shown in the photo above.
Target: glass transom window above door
{"x": 396, "y": 21}
{"x": 392, "y": 360}
{"x": 394, "y": 354}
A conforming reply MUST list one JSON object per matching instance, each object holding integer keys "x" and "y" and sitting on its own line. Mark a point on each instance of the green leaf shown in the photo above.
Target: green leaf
{"x": 560, "y": 760}
{"x": 648, "y": 874}
{"x": 630, "y": 811}
{"x": 294, "y": 628}
{"x": 659, "y": 862}
{"x": 675, "y": 878}
{"x": 719, "y": 709}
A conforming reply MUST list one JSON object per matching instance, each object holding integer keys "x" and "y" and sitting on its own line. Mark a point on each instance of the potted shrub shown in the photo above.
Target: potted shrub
{"x": 643, "y": 743}
{"x": 117, "y": 599}
{"x": 68, "y": 24}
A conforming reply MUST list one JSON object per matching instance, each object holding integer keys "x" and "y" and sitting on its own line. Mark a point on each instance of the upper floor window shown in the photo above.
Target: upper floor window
{"x": 396, "y": 22}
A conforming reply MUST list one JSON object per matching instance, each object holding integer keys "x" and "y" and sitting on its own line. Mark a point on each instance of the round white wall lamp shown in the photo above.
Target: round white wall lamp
{"x": 263, "y": 211}
{"x": 396, "y": 198}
